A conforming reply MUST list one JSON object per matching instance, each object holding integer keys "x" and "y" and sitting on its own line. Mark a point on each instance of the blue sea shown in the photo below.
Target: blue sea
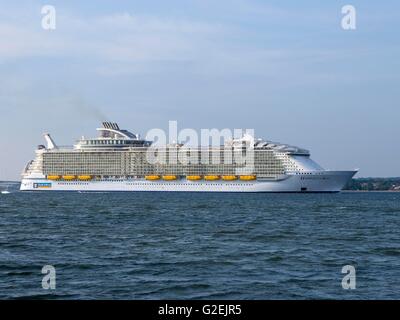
{"x": 199, "y": 245}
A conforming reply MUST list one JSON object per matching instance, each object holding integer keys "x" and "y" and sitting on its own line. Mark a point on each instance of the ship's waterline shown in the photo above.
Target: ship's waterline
{"x": 119, "y": 160}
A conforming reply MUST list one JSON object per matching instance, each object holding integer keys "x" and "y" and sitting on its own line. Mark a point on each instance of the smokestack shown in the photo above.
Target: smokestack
{"x": 50, "y": 143}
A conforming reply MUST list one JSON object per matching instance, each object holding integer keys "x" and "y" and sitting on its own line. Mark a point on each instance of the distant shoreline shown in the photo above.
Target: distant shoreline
{"x": 373, "y": 184}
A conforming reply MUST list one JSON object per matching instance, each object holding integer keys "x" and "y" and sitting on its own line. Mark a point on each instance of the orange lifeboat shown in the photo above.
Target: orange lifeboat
{"x": 169, "y": 177}
{"x": 67, "y": 177}
{"x": 248, "y": 178}
{"x": 85, "y": 177}
{"x": 211, "y": 178}
{"x": 193, "y": 178}
{"x": 53, "y": 177}
{"x": 153, "y": 177}
{"x": 229, "y": 178}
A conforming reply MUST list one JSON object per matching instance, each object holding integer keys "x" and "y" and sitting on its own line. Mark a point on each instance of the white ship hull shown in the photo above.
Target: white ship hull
{"x": 318, "y": 181}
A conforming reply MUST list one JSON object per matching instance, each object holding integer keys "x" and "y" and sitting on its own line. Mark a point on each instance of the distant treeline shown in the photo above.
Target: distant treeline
{"x": 374, "y": 184}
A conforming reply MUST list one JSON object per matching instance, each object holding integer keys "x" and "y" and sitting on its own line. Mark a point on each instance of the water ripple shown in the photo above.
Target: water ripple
{"x": 199, "y": 246}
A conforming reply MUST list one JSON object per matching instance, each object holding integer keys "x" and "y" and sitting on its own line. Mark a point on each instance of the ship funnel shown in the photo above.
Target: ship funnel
{"x": 50, "y": 143}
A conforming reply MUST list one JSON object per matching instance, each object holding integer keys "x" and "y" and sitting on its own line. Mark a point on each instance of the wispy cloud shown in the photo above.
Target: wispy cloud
{"x": 124, "y": 43}
{"x": 123, "y": 37}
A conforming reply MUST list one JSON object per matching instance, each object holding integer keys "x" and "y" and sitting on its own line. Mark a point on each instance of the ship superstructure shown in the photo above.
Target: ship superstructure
{"x": 118, "y": 160}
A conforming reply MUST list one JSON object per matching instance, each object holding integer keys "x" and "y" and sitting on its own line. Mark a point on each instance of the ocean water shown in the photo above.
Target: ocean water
{"x": 199, "y": 245}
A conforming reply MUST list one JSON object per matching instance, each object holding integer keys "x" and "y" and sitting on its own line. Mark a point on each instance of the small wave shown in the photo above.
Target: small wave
{"x": 387, "y": 251}
{"x": 45, "y": 296}
{"x": 275, "y": 258}
{"x": 21, "y": 273}
{"x": 201, "y": 206}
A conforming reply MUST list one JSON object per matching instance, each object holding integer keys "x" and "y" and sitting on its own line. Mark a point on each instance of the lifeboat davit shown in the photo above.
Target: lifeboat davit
{"x": 193, "y": 178}
{"x": 229, "y": 178}
{"x": 152, "y": 177}
{"x": 248, "y": 178}
{"x": 211, "y": 178}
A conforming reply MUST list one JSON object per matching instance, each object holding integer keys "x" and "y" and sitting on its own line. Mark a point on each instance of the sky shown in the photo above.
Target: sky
{"x": 286, "y": 69}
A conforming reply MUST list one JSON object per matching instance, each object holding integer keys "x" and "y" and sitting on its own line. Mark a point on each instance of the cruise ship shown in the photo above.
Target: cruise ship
{"x": 118, "y": 160}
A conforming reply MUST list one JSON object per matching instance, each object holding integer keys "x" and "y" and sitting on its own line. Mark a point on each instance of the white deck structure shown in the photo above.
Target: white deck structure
{"x": 116, "y": 161}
